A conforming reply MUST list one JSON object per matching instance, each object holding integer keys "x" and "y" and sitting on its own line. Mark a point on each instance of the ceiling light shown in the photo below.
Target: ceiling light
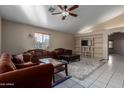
{"x": 65, "y": 13}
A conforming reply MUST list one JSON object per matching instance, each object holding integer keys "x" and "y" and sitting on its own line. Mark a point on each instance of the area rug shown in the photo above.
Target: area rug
{"x": 82, "y": 69}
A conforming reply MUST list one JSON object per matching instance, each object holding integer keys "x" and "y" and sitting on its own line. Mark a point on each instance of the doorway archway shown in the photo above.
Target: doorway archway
{"x": 108, "y": 33}
{"x": 116, "y": 43}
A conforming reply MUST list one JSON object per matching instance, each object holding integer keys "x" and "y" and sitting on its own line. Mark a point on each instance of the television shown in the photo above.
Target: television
{"x": 85, "y": 43}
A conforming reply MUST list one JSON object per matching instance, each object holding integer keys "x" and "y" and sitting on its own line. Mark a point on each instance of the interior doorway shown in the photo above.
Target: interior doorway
{"x": 116, "y": 43}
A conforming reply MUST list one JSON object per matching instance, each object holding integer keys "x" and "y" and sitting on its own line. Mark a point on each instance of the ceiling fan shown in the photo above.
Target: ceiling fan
{"x": 65, "y": 11}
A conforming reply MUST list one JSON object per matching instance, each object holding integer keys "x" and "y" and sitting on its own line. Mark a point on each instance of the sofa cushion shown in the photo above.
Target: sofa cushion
{"x": 35, "y": 59}
{"x": 5, "y": 67}
{"x": 45, "y": 53}
{"x": 59, "y": 52}
{"x": 27, "y": 57}
{"x": 16, "y": 60}
{"x": 20, "y": 56}
{"x": 8, "y": 58}
{"x": 52, "y": 54}
{"x": 6, "y": 64}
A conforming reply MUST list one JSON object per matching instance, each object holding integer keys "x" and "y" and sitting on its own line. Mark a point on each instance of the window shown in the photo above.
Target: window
{"x": 110, "y": 44}
{"x": 42, "y": 40}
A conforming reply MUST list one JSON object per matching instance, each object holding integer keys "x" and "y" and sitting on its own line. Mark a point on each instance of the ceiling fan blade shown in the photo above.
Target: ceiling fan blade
{"x": 63, "y": 18}
{"x": 73, "y": 7}
{"x": 72, "y": 14}
{"x": 60, "y": 7}
{"x": 56, "y": 13}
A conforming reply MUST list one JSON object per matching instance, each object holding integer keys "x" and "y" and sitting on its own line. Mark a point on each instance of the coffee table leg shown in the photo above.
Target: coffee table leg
{"x": 79, "y": 58}
{"x": 53, "y": 78}
{"x": 66, "y": 69}
{"x": 68, "y": 60}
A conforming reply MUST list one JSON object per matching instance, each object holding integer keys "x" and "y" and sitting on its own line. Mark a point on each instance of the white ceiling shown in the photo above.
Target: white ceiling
{"x": 38, "y": 15}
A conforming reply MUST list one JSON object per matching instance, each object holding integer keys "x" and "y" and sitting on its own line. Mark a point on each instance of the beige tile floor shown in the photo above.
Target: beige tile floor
{"x": 110, "y": 75}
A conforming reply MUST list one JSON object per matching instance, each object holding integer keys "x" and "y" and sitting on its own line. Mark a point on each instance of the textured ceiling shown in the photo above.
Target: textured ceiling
{"x": 38, "y": 15}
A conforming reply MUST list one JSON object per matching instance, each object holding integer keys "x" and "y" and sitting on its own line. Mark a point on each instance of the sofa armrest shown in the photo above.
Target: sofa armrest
{"x": 24, "y": 65}
{"x": 35, "y": 76}
{"x": 68, "y": 52}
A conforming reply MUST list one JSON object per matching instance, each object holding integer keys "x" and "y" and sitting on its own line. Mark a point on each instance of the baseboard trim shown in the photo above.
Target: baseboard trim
{"x": 103, "y": 59}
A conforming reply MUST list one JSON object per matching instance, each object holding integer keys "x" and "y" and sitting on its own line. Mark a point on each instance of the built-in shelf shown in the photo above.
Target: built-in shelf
{"x": 96, "y": 48}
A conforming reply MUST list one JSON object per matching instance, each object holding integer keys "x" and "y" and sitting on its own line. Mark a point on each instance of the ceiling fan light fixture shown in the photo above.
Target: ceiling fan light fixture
{"x": 65, "y": 13}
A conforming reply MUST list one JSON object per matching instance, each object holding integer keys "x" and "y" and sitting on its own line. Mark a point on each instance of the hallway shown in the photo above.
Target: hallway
{"x": 110, "y": 75}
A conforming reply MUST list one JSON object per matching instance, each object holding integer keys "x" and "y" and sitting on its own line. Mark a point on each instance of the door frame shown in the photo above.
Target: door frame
{"x": 106, "y": 35}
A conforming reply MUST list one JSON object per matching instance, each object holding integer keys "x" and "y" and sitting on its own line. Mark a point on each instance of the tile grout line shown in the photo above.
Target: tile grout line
{"x": 109, "y": 79}
{"x": 77, "y": 83}
{"x": 103, "y": 71}
{"x": 111, "y": 76}
{"x": 70, "y": 86}
{"x": 96, "y": 79}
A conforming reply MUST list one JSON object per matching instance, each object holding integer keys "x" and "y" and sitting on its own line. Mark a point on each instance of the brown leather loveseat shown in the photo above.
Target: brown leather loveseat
{"x": 60, "y": 51}
{"x": 37, "y": 76}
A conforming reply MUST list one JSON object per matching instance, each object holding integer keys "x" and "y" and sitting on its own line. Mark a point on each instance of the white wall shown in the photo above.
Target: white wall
{"x": 105, "y": 45}
{"x": 118, "y": 42}
{"x": 119, "y": 46}
{"x": 15, "y": 37}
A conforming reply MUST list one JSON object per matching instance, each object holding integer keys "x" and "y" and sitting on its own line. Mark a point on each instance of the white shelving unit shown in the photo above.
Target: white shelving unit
{"x": 88, "y": 51}
{"x": 95, "y": 50}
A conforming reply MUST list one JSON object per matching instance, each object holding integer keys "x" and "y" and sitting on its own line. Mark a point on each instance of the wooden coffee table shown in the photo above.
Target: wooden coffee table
{"x": 58, "y": 66}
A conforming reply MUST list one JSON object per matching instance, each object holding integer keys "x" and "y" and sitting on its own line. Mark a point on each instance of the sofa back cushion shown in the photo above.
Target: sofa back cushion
{"x": 17, "y": 59}
{"x": 35, "y": 59}
{"x": 61, "y": 51}
{"x": 6, "y": 64}
{"x": 67, "y": 52}
{"x": 39, "y": 52}
{"x": 20, "y": 56}
{"x": 27, "y": 57}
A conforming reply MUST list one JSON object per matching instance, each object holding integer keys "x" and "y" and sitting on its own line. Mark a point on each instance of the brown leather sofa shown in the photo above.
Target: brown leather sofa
{"x": 60, "y": 51}
{"x": 35, "y": 76}
{"x": 39, "y": 53}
